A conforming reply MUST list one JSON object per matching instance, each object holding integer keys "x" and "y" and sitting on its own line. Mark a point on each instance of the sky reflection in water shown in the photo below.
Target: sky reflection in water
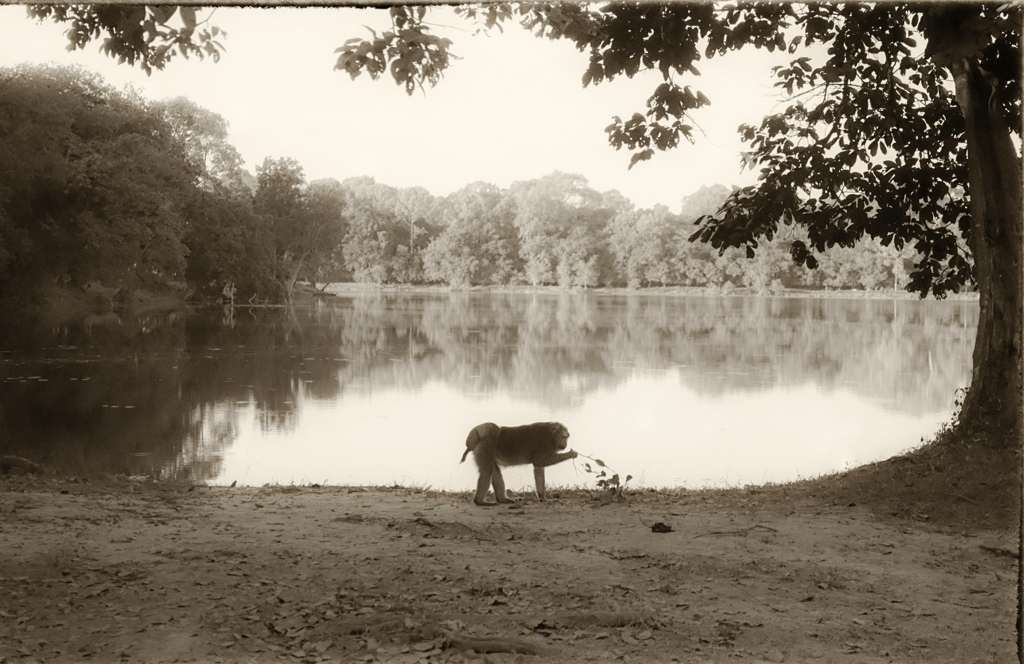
{"x": 374, "y": 388}
{"x": 733, "y": 415}
{"x": 650, "y": 426}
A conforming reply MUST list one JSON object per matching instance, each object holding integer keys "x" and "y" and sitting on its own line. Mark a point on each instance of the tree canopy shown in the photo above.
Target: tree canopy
{"x": 111, "y": 186}
{"x": 93, "y": 183}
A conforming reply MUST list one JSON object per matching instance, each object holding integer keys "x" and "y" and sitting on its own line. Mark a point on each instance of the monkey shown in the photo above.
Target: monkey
{"x": 494, "y": 446}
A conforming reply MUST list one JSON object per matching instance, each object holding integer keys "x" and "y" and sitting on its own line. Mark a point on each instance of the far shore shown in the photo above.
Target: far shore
{"x": 339, "y": 288}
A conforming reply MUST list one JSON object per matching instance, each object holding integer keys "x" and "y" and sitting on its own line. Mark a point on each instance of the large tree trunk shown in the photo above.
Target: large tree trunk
{"x": 993, "y": 401}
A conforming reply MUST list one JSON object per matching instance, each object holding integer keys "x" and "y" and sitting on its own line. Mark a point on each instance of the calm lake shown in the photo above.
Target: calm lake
{"x": 382, "y": 387}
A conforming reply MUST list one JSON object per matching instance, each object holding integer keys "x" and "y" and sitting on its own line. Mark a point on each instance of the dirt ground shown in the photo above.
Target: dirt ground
{"x": 121, "y": 570}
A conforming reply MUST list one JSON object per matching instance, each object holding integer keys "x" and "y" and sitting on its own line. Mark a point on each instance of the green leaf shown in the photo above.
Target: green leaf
{"x": 188, "y": 15}
{"x": 163, "y": 13}
{"x": 643, "y": 155}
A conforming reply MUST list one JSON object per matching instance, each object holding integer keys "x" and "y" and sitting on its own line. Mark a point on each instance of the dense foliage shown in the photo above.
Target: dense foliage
{"x": 93, "y": 183}
{"x": 106, "y": 185}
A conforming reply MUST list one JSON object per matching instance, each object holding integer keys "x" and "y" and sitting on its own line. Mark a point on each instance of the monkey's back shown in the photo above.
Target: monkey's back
{"x": 526, "y": 443}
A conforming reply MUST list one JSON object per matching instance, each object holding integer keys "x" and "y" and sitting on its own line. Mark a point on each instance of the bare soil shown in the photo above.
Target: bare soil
{"x": 885, "y": 564}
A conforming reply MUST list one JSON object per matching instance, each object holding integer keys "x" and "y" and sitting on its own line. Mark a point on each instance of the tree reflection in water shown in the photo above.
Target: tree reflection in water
{"x": 173, "y": 394}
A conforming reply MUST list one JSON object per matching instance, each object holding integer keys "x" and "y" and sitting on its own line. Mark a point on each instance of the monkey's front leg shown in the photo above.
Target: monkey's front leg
{"x": 555, "y": 458}
{"x": 538, "y": 470}
{"x": 538, "y": 478}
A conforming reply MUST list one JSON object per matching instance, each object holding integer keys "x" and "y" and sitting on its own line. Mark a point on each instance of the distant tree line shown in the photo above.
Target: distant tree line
{"x": 97, "y": 183}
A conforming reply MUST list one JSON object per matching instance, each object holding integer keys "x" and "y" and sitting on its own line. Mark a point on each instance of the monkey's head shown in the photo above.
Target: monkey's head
{"x": 559, "y": 434}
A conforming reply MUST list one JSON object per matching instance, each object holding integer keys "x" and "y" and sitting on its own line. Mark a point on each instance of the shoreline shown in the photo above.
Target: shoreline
{"x": 56, "y": 305}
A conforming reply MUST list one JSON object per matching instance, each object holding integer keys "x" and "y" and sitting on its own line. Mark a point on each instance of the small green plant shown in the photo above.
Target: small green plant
{"x": 611, "y": 487}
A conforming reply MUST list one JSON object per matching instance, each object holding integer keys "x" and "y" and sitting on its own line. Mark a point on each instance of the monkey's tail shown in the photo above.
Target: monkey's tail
{"x": 471, "y": 442}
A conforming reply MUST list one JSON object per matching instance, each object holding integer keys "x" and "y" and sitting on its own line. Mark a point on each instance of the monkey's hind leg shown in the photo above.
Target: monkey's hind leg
{"x": 499, "y": 486}
{"x": 483, "y": 484}
{"x": 493, "y": 476}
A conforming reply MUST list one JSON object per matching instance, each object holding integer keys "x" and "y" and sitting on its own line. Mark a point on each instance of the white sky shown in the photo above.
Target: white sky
{"x": 513, "y": 109}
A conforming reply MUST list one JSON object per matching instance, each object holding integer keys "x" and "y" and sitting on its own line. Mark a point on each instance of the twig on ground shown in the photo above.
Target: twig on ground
{"x": 484, "y": 645}
{"x": 999, "y": 551}
{"x": 606, "y": 619}
{"x": 742, "y": 531}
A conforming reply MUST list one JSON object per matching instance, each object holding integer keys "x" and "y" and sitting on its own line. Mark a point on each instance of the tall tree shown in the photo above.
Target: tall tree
{"x": 296, "y": 225}
{"x": 562, "y": 224}
{"x": 416, "y": 209}
{"x": 643, "y": 243}
{"x": 479, "y": 243}
{"x": 325, "y": 206}
{"x": 369, "y": 244}
{"x": 389, "y": 228}
{"x": 226, "y": 240}
{"x": 227, "y": 243}
{"x": 204, "y": 135}
{"x": 93, "y": 182}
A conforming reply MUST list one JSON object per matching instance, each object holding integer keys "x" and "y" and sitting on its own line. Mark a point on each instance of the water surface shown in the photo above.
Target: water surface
{"x": 376, "y": 388}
